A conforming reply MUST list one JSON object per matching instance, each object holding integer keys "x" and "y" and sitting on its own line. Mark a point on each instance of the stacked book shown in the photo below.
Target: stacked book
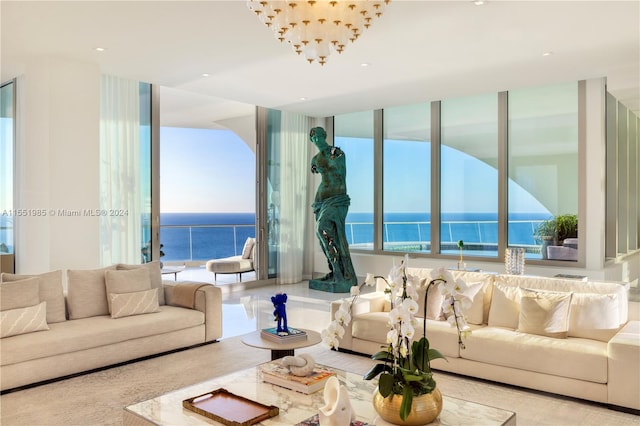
{"x": 275, "y": 373}
{"x": 272, "y": 334}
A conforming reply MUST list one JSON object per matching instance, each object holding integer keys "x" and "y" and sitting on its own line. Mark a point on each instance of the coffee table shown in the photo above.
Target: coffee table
{"x": 279, "y": 350}
{"x": 294, "y": 406}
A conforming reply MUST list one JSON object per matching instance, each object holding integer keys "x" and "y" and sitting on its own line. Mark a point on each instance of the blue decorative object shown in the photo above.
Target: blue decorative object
{"x": 280, "y": 312}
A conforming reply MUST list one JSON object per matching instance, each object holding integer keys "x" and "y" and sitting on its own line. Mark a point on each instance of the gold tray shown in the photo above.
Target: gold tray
{"x": 230, "y": 409}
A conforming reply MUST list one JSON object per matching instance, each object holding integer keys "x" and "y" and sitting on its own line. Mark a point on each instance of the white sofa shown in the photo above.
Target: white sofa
{"x": 84, "y": 330}
{"x": 596, "y": 359}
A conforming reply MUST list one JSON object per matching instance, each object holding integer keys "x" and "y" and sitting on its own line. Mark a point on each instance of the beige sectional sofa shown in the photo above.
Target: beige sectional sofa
{"x": 594, "y": 355}
{"x": 100, "y": 318}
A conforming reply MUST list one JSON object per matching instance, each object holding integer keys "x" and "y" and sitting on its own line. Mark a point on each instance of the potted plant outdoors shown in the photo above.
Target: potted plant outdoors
{"x": 546, "y": 234}
{"x": 566, "y": 227}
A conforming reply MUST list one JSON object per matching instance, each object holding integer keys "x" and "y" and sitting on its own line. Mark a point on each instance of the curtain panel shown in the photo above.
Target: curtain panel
{"x": 120, "y": 186}
{"x": 294, "y": 207}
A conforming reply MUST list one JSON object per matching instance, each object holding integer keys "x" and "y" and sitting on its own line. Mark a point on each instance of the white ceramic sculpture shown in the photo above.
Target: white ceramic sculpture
{"x": 300, "y": 365}
{"x": 337, "y": 410}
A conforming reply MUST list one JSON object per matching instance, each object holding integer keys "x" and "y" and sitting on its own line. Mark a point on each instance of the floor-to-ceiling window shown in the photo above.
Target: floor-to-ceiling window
{"x": 469, "y": 175}
{"x": 543, "y": 170}
{"x": 6, "y": 168}
{"x": 353, "y": 133}
{"x": 491, "y": 168}
{"x": 407, "y": 182}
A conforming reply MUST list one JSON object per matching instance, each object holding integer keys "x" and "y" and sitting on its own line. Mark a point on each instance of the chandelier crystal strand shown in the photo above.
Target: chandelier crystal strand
{"x": 316, "y": 28}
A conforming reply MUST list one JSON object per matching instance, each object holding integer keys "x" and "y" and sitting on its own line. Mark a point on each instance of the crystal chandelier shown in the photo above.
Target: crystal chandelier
{"x": 317, "y": 27}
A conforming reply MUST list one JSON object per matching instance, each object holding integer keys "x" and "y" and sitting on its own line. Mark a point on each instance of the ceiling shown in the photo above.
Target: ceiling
{"x": 417, "y": 51}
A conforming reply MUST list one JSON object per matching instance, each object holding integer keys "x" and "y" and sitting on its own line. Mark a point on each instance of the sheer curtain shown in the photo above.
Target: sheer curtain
{"x": 120, "y": 199}
{"x": 294, "y": 170}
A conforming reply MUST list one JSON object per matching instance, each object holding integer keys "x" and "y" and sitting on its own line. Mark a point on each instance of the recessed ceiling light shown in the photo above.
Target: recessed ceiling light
{"x": 479, "y": 2}
{"x": 99, "y": 49}
{"x": 204, "y": 74}
{"x": 364, "y": 64}
{"x": 549, "y": 53}
{"x": 302, "y": 98}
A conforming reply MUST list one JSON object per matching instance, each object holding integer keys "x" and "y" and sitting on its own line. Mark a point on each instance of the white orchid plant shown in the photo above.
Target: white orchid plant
{"x": 404, "y": 366}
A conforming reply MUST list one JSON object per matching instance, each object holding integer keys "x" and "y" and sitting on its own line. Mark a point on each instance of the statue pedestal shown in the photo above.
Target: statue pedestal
{"x": 330, "y": 286}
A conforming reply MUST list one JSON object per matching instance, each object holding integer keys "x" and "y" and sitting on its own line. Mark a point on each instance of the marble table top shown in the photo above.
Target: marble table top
{"x": 295, "y": 407}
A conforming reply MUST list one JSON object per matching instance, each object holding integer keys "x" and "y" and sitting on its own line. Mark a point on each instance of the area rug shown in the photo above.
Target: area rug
{"x": 98, "y": 398}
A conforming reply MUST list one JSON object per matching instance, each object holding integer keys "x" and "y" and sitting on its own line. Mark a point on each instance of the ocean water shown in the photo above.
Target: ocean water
{"x": 204, "y": 236}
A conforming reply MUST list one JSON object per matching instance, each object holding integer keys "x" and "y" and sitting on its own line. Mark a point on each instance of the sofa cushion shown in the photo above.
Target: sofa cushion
{"x": 19, "y": 294}
{"x": 247, "y": 249}
{"x": 374, "y": 326}
{"x": 126, "y": 281}
{"x": 136, "y": 303}
{"x": 77, "y": 335}
{"x": 544, "y": 312}
{"x": 155, "y": 275}
{"x": 434, "y": 300}
{"x": 87, "y": 294}
{"x": 575, "y": 286}
{"x": 473, "y": 303}
{"x": 487, "y": 288}
{"x": 505, "y": 308}
{"x": 575, "y": 358}
{"x": 50, "y": 291}
{"x": 594, "y": 316}
{"x": 23, "y": 320}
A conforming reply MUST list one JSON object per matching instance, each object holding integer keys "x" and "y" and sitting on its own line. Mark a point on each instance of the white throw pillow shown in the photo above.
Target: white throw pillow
{"x": 475, "y": 312}
{"x": 126, "y": 281}
{"x": 136, "y": 303}
{"x": 505, "y": 306}
{"x": 434, "y": 300}
{"x": 23, "y": 320}
{"x": 248, "y": 248}
{"x": 545, "y": 313}
{"x": 594, "y": 316}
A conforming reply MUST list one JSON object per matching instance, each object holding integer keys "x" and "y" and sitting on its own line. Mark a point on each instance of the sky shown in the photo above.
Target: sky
{"x": 204, "y": 170}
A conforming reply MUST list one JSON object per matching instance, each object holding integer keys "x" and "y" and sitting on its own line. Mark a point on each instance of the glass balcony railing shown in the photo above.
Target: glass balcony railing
{"x": 203, "y": 242}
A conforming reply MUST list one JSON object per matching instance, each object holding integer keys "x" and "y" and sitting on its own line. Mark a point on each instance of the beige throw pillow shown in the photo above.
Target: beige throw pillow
{"x": 545, "y": 313}
{"x": 155, "y": 275}
{"x": 19, "y": 294}
{"x": 475, "y": 312}
{"x": 23, "y": 320}
{"x": 87, "y": 294}
{"x": 434, "y": 300}
{"x": 248, "y": 248}
{"x": 505, "y": 308}
{"x": 51, "y": 291}
{"x": 136, "y": 303}
{"x": 126, "y": 281}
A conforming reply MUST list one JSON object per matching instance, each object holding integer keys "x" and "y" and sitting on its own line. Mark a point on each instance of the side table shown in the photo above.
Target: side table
{"x": 279, "y": 350}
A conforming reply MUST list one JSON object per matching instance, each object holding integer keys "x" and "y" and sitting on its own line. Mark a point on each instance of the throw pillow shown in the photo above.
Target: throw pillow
{"x": 434, "y": 300}
{"x": 19, "y": 294}
{"x": 87, "y": 294}
{"x": 545, "y": 313}
{"x": 51, "y": 291}
{"x": 248, "y": 248}
{"x": 23, "y": 320}
{"x": 155, "y": 275}
{"x": 136, "y": 303}
{"x": 505, "y": 308}
{"x": 126, "y": 281}
{"x": 594, "y": 316}
{"x": 473, "y": 303}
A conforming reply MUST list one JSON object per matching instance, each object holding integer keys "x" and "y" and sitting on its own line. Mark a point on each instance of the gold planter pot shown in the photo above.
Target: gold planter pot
{"x": 424, "y": 408}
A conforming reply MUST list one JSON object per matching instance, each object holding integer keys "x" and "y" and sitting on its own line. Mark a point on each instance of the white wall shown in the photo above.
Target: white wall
{"x": 57, "y": 169}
